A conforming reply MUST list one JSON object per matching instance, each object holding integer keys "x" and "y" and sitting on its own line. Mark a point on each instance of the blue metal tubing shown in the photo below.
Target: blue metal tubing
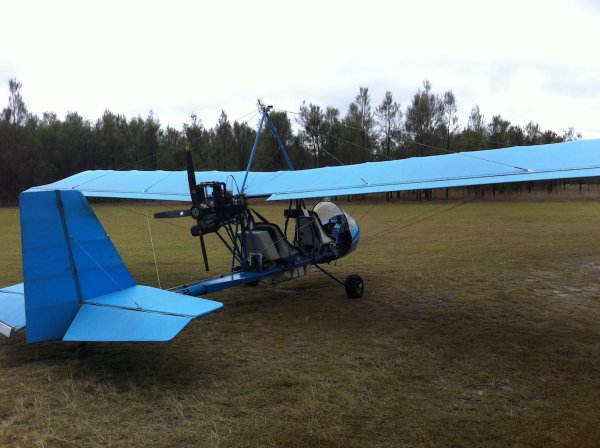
{"x": 276, "y": 134}
{"x": 230, "y": 280}
{"x": 226, "y": 281}
{"x": 253, "y": 153}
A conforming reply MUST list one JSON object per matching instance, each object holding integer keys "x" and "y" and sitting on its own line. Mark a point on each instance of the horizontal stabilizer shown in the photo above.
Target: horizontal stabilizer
{"x": 12, "y": 310}
{"x": 146, "y": 298}
{"x": 107, "y": 324}
{"x": 139, "y": 313}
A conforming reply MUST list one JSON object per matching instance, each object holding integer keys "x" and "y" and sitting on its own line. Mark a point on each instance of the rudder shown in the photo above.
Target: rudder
{"x": 67, "y": 258}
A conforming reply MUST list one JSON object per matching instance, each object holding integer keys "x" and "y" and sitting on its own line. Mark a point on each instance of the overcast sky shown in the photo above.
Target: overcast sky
{"x": 525, "y": 60}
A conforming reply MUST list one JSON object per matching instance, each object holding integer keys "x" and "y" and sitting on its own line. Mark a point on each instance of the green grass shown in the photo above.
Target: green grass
{"x": 479, "y": 327}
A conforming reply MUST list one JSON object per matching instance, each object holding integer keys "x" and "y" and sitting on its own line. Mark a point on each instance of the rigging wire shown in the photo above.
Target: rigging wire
{"x": 464, "y": 154}
{"x": 91, "y": 257}
{"x": 347, "y": 166}
{"x": 265, "y": 164}
{"x": 364, "y": 215}
{"x": 253, "y": 111}
{"x": 461, "y": 153}
{"x": 158, "y": 219}
{"x": 438, "y": 148}
{"x": 153, "y": 250}
{"x": 416, "y": 220}
{"x": 469, "y": 139}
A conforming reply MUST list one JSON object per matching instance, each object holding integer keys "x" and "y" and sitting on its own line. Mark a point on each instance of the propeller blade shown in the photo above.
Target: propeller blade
{"x": 197, "y": 198}
{"x": 204, "y": 252}
{"x": 191, "y": 175}
{"x": 173, "y": 214}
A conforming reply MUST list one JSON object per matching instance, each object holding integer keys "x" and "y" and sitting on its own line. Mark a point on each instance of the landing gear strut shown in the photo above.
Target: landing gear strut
{"x": 354, "y": 285}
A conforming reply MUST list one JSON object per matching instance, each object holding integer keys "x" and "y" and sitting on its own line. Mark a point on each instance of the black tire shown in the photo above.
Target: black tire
{"x": 354, "y": 286}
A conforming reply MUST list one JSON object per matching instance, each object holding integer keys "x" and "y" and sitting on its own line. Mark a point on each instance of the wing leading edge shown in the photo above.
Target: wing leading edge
{"x": 576, "y": 159}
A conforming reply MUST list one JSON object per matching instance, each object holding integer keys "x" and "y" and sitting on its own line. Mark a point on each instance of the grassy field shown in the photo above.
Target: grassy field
{"x": 479, "y": 327}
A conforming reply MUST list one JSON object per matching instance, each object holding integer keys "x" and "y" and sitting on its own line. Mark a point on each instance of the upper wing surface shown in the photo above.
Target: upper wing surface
{"x": 517, "y": 164}
{"x": 158, "y": 185}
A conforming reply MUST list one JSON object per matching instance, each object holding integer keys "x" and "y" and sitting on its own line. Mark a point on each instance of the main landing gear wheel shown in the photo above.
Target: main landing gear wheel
{"x": 354, "y": 286}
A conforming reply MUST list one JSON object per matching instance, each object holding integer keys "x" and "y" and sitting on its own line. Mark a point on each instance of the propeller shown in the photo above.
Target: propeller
{"x": 173, "y": 214}
{"x": 197, "y": 199}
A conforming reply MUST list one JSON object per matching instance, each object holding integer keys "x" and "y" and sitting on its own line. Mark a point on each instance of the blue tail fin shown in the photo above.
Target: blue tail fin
{"x": 67, "y": 258}
{"x": 71, "y": 268}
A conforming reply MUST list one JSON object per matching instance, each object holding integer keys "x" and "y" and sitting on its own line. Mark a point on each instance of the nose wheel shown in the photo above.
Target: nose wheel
{"x": 354, "y": 286}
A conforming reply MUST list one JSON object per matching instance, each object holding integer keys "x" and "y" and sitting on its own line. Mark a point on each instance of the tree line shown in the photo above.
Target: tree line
{"x": 37, "y": 150}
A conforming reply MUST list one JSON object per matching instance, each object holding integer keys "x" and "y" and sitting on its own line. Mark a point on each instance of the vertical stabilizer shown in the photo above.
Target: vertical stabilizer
{"x": 67, "y": 258}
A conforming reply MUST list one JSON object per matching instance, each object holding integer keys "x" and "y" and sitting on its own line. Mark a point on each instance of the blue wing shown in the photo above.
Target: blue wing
{"x": 517, "y": 164}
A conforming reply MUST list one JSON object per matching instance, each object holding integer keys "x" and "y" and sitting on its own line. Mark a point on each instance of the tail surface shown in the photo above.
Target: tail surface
{"x": 76, "y": 285}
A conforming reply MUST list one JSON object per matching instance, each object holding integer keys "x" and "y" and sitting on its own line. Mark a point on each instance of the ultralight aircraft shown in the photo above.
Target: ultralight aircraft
{"x": 77, "y": 288}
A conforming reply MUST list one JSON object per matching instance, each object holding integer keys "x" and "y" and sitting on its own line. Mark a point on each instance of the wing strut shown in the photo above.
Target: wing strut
{"x": 265, "y": 116}
{"x": 276, "y": 134}
{"x": 253, "y": 153}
